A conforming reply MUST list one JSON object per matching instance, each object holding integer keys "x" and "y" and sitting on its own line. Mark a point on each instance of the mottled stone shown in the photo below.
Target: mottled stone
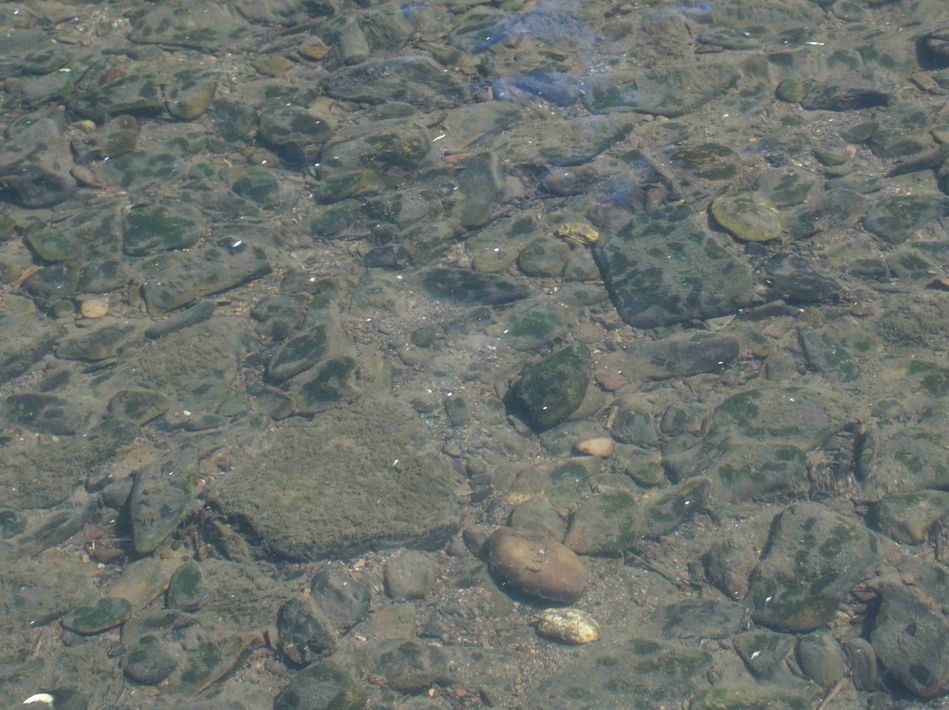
{"x": 814, "y": 559}
{"x": 911, "y": 638}
{"x": 665, "y": 268}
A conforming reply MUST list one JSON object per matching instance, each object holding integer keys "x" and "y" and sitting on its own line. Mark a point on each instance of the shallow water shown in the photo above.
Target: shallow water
{"x": 461, "y": 355}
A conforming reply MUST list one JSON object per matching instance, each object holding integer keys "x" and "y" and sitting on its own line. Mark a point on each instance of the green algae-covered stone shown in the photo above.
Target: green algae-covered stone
{"x": 322, "y": 686}
{"x": 791, "y": 90}
{"x": 94, "y": 345}
{"x": 896, "y": 218}
{"x": 470, "y": 288}
{"x": 298, "y": 354}
{"x": 161, "y": 227}
{"x": 150, "y": 661}
{"x": 551, "y": 390}
{"x": 139, "y": 406}
{"x": 747, "y": 218}
{"x": 815, "y": 558}
{"x": 161, "y": 496}
{"x": 258, "y": 185}
{"x": 45, "y": 413}
{"x": 187, "y": 589}
{"x": 104, "y": 614}
{"x": 665, "y": 267}
{"x": 711, "y": 161}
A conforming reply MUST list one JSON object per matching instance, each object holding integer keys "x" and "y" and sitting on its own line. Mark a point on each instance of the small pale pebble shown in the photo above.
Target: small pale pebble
{"x": 601, "y": 446}
{"x": 568, "y": 625}
{"x": 94, "y": 308}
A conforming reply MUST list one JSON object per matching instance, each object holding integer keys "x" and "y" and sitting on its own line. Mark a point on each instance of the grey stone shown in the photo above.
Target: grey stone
{"x": 821, "y": 659}
{"x": 911, "y": 637}
{"x": 150, "y": 661}
{"x": 410, "y": 575}
{"x": 321, "y": 686}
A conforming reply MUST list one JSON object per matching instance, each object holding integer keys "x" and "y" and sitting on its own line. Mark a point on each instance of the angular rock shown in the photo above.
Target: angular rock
{"x": 199, "y": 274}
{"x": 304, "y": 634}
{"x": 410, "y": 667}
{"x": 798, "y": 279}
{"x": 897, "y": 218}
{"x": 298, "y": 354}
{"x": 814, "y": 559}
{"x": 295, "y": 133}
{"x": 410, "y": 575}
{"x": 909, "y": 518}
{"x": 160, "y": 499}
{"x": 339, "y": 597}
{"x": 665, "y": 268}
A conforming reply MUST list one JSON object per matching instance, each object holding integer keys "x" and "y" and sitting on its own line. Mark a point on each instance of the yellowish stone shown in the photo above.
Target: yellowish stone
{"x": 568, "y": 625}
{"x": 94, "y": 308}
{"x": 579, "y": 233}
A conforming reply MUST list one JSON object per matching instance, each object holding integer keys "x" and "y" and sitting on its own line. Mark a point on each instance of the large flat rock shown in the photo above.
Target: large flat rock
{"x": 355, "y": 479}
{"x": 666, "y": 268}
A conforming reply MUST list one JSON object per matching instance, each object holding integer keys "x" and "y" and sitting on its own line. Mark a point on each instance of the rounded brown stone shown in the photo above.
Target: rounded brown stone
{"x": 538, "y": 565}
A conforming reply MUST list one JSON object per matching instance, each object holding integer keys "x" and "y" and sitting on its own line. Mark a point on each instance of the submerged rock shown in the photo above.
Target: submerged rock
{"x": 347, "y": 483}
{"x": 911, "y": 638}
{"x": 536, "y": 564}
{"x": 665, "y": 268}
{"x": 814, "y": 558}
{"x": 549, "y": 391}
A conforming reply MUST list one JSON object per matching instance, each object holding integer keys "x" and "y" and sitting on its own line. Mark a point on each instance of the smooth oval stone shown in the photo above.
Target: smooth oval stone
{"x": 747, "y": 218}
{"x": 104, "y": 614}
{"x": 150, "y": 661}
{"x": 187, "y": 590}
{"x": 538, "y": 565}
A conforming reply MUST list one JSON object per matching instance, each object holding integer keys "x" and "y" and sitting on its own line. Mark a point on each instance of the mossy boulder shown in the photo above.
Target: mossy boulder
{"x": 549, "y": 391}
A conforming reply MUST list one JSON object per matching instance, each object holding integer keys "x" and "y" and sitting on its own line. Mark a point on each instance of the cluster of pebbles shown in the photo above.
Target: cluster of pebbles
{"x": 513, "y": 354}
